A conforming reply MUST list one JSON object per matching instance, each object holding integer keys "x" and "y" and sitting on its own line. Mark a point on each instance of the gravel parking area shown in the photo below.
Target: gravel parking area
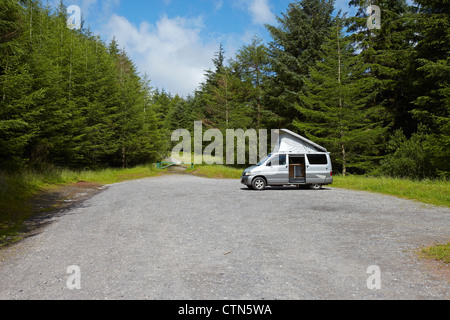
{"x": 185, "y": 237}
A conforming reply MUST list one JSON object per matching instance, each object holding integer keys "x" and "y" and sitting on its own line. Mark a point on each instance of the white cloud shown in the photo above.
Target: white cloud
{"x": 261, "y": 12}
{"x": 171, "y": 52}
{"x": 218, "y": 4}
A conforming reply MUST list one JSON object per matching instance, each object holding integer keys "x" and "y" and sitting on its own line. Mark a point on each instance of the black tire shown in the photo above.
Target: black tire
{"x": 259, "y": 183}
{"x": 316, "y": 186}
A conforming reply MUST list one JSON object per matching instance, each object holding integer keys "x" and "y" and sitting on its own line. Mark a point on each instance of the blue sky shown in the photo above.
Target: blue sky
{"x": 174, "y": 41}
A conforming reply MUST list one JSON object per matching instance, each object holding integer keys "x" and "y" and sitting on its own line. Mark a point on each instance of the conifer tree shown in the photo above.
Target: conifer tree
{"x": 67, "y": 99}
{"x": 296, "y": 45}
{"x": 18, "y": 98}
{"x": 431, "y": 106}
{"x": 335, "y": 107}
{"x": 252, "y": 64}
{"x": 388, "y": 52}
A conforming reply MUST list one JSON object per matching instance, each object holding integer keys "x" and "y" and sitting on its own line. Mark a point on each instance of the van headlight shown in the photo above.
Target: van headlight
{"x": 247, "y": 174}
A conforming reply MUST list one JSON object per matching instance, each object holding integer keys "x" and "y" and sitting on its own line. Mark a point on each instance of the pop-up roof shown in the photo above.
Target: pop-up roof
{"x": 291, "y": 142}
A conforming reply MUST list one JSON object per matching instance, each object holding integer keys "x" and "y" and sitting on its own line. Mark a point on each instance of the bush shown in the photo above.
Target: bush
{"x": 409, "y": 158}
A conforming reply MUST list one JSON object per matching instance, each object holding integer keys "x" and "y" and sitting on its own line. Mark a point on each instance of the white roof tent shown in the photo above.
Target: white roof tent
{"x": 290, "y": 142}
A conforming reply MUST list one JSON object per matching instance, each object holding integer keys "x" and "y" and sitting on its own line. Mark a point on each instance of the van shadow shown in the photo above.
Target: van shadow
{"x": 287, "y": 188}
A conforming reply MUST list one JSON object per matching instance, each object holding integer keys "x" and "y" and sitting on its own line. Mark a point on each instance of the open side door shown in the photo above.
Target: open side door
{"x": 297, "y": 172}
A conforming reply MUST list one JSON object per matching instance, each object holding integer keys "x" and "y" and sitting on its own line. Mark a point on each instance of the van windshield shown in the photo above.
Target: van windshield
{"x": 264, "y": 160}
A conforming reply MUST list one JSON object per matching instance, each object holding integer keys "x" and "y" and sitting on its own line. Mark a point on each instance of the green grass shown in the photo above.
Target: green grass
{"x": 109, "y": 176}
{"x": 439, "y": 252}
{"x": 435, "y": 192}
{"x": 18, "y": 190}
{"x": 216, "y": 171}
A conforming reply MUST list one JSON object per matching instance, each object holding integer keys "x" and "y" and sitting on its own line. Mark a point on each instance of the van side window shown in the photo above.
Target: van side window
{"x": 279, "y": 160}
{"x": 317, "y": 159}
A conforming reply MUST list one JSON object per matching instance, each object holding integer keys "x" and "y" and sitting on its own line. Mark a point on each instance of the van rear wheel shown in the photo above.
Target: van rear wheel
{"x": 259, "y": 183}
{"x": 316, "y": 186}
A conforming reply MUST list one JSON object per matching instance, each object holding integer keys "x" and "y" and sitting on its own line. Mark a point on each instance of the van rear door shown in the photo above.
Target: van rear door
{"x": 317, "y": 168}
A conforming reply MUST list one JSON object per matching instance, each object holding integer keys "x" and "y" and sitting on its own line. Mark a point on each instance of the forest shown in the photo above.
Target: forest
{"x": 377, "y": 99}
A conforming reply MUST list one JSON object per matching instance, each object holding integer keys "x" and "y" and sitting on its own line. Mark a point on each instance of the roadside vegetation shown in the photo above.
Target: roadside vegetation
{"x": 439, "y": 252}
{"x": 18, "y": 190}
{"x": 430, "y": 191}
{"x": 216, "y": 171}
{"x": 436, "y": 192}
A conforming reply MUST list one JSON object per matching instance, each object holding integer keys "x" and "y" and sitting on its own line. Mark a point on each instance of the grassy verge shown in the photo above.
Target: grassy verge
{"x": 435, "y": 192}
{"x": 18, "y": 190}
{"x": 216, "y": 171}
{"x": 439, "y": 252}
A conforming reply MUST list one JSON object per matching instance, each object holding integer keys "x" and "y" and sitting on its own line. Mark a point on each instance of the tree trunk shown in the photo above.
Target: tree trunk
{"x": 344, "y": 161}
{"x": 123, "y": 157}
{"x": 6, "y": 79}
{"x": 31, "y": 21}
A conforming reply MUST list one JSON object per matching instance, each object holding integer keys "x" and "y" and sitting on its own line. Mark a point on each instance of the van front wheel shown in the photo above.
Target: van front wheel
{"x": 259, "y": 183}
{"x": 316, "y": 186}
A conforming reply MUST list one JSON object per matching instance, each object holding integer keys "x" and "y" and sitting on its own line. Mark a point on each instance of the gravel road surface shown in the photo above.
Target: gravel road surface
{"x": 186, "y": 237}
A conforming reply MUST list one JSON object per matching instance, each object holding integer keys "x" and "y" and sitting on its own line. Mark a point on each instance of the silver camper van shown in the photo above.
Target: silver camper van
{"x": 295, "y": 160}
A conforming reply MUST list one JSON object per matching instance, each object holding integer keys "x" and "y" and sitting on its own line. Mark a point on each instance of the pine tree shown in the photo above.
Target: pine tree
{"x": 66, "y": 99}
{"x": 388, "y": 51}
{"x": 335, "y": 105}
{"x": 431, "y": 106}
{"x": 136, "y": 120}
{"x": 252, "y": 64}
{"x": 10, "y": 15}
{"x": 98, "y": 99}
{"x": 52, "y": 60}
{"x": 18, "y": 97}
{"x": 180, "y": 115}
{"x": 219, "y": 63}
{"x": 295, "y": 47}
